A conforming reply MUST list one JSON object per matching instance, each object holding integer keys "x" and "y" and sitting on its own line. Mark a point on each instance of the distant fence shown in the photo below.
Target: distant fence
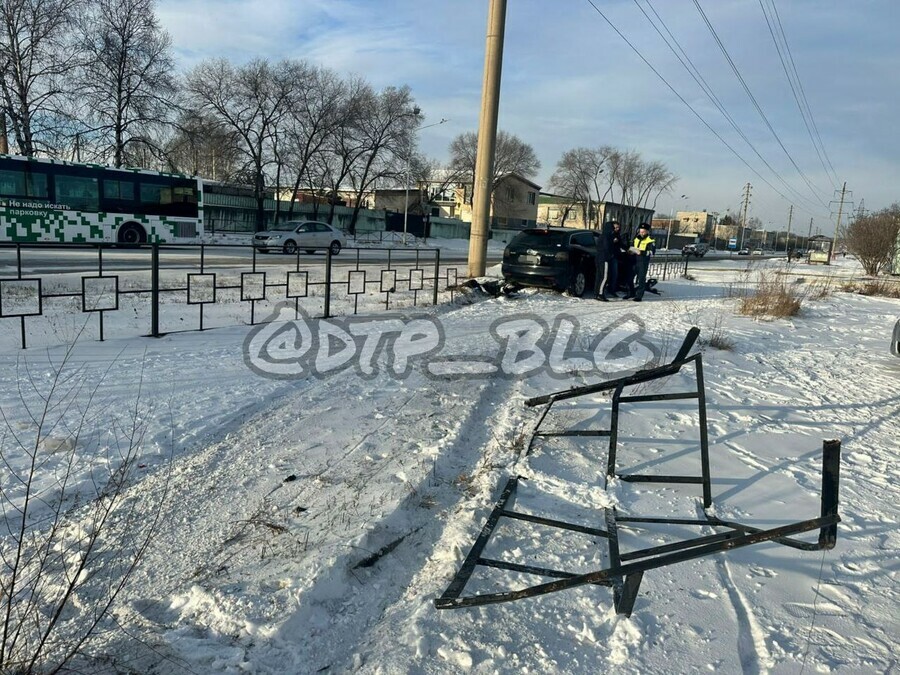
{"x": 174, "y": 288}
{"x": 663, "y": 267}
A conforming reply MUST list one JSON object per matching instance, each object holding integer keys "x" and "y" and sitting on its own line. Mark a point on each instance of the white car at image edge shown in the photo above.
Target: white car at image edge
{"x": 300, "y": 235}
{"x": 895, "y": 340}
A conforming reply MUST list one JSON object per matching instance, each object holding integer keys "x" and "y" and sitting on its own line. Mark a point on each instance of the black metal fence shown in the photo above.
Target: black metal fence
{"x": 663, "y": 267}
{"x": 625, "y": 569}
{"x": 152, "y": 278}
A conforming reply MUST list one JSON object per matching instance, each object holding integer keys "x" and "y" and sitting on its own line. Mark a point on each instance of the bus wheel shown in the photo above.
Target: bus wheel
{"x": 132, "y": 233}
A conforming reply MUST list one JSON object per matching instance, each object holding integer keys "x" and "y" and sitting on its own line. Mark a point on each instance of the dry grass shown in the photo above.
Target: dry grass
{"x": 716, "y": 337}
{"x": 722, "y": 342}
{"x": 820, "y": 289}
{"x": 773, "y": 298}
{"x": 880, "y": 287}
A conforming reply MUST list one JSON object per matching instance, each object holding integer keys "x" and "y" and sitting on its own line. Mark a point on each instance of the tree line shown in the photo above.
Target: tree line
{"x": 95, "y": 80}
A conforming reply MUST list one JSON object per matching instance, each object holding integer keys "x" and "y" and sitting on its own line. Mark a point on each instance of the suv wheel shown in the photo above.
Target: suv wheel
{"x": 579, "y": 283}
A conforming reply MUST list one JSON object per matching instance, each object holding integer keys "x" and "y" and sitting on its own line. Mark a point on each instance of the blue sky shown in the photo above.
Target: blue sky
{"x": 569, "y": 80}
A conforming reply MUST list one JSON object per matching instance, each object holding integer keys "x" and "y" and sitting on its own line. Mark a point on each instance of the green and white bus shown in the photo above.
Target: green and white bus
{"x": 49, "y": 200}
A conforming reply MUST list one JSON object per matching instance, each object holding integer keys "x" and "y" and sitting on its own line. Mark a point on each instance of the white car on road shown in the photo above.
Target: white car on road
{"x": 296, "y": 235}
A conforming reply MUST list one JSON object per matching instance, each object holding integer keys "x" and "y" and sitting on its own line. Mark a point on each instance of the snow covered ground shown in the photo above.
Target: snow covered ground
{"x": 311, "y": 521}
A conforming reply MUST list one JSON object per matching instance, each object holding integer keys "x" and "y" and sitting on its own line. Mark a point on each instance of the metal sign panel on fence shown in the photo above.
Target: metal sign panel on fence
{"x": 20, "y": 297}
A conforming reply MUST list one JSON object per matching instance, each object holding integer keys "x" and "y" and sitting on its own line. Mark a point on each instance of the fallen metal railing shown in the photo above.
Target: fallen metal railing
{"x": 625, "y": 570}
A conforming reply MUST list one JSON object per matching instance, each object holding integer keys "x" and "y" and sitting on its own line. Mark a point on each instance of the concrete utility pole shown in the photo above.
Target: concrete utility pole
{"x": 747, "y": 189}
{"x": 837, "y": 227}
{"x": 487, "y": 137}
{"x": 809, "y": 234}
{"x": 787, "y": 243}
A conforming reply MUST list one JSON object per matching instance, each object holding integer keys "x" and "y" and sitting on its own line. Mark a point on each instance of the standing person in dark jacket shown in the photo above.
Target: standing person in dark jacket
{"x": 625, "y": 265}
{"x": 605, "y": 239}
{"x": 612, "y": 285}
{"x": 644, "y": 248}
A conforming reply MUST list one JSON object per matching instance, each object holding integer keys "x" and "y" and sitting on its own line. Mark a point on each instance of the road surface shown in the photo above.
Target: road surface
{"x": 44, "y": 261}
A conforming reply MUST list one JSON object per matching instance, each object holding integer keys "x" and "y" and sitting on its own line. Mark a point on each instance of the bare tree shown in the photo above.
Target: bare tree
{"x": 332, "y": 167}
{"x": 37, "y": 58}
{"x": 636, "y": 180}
{"x": 582, "y": 175}
{"x": 511, "y": 155}
{"x": 873, "y": 239}
{"x": 385, "y": 128}
{"x": 315, "y": 113}
{"x": 597, "y": 174}
{"x": 202, "y": 147}
{"x": 249, "y": 101}
{"x": 126, "y": 85}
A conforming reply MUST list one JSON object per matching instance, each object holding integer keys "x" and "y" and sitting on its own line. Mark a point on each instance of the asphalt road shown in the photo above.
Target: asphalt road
{"x": 50, "y": 261}
{"x": 53, "y": 261}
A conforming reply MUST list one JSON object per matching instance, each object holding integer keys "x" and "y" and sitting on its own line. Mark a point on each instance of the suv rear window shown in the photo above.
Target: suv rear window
{"x": 541, "y": 238}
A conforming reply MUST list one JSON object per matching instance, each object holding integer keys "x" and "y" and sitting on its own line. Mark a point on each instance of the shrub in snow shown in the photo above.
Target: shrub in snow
{"x": 72, "y": 532}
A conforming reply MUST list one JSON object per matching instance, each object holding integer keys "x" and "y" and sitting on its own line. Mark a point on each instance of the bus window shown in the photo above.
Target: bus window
{"x": 23, "y": 184}
{"x": 151, "y": 194}
{"x": 119, "y": 190}
{"x": 78, "y": 193}
{"x": 169, "y": 200}
{"x": 184, "y": 195}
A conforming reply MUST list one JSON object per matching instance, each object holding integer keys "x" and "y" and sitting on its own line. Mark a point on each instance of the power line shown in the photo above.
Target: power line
{"x": 689, "y": 106}
{"x": 694, "y": 72}
{"x": 753, "y": 100}
{"x": 800, "y": 87}
{"x": 790, "y": 78}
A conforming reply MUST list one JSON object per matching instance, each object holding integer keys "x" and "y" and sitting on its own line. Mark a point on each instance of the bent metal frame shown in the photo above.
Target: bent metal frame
{"x": 626, "y": 570}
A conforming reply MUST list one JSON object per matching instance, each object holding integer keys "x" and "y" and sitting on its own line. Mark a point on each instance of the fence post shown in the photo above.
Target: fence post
{"x": 154, "y": 289}
{"x": 19, "y": 273}
{"x": 437, "y": 272}
{"x": 686, "y": 265}
{"x": 831, "y": 478}
{"x": 327, "y": 283}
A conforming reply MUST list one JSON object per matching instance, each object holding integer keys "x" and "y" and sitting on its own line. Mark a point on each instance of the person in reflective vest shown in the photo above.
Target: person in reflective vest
{"x": 643, "y": 250}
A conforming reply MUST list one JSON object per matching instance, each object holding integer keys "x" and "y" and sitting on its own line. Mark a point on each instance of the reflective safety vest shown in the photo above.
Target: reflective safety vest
{"x": 642, "y": 244}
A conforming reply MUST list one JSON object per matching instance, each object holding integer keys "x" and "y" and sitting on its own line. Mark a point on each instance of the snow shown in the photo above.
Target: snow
{"x": 309, "y": 523}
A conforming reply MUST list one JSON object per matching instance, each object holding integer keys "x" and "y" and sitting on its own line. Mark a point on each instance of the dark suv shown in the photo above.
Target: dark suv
{"x": 553, "y": 257}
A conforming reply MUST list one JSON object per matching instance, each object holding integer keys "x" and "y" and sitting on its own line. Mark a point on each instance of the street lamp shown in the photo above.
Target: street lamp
{"x": 416, "y": 112}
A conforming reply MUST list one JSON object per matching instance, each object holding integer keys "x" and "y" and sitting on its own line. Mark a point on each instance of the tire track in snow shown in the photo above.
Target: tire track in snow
{"x": 752, "y": 651}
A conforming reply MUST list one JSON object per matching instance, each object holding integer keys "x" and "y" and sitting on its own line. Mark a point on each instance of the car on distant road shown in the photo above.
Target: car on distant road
{"x": 697, "y": 250}
{"x": 562, "y": 258}
{"x": 744, "y": 251}
{"x": 295, "y": 235}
